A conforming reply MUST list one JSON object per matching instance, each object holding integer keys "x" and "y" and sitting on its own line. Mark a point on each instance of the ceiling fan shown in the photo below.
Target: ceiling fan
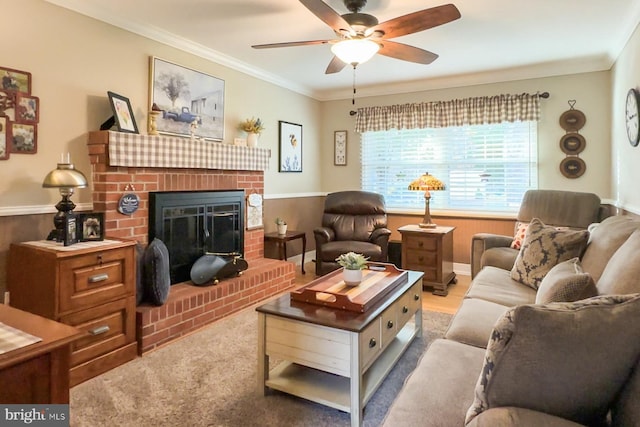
{"x": 361, "y": 36}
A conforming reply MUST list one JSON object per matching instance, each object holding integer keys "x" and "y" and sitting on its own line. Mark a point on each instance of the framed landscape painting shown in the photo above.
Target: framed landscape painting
{"x": 190, "y": 101}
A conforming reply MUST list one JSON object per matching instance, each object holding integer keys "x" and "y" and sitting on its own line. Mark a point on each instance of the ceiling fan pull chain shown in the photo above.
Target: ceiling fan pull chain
{"x": 353, "y": 99}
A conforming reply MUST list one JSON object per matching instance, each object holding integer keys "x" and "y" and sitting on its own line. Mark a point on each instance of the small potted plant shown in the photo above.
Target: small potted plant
{"x": 282, "y": 226}
{"x": 353, "y": 264}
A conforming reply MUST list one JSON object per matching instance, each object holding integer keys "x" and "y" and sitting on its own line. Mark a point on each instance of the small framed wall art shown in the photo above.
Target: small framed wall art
{"x": 24, "y": 137}
{"x": 290, "y": 143}
{"x": 340, "y": 148}
{"x": 5, "y": 137}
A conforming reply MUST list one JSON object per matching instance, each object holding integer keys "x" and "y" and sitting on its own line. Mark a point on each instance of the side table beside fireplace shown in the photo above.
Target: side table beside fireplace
{"x": 282, "y": 239}
{"x": 89, "y": 285}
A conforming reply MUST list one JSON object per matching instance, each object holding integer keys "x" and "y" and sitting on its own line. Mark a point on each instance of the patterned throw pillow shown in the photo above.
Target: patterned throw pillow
{"x": 518, "y": 238}
{"x": 544, "y": 247}
{"x": 566, "y": 282}
{"x": 557, "y": 358}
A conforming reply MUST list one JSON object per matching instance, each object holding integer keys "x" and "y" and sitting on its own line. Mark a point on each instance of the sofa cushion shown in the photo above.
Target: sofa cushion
{"x": 561, "y": 355}
{"x": 440, "y": 389}
{"x": 473, "y": 322}
{"x": 518, "y": 417}
{"x": 566, "y": 282}
{"x": 626, "y": 411}
{"x": 544, "y": 247}
{"x": 495, "y": 285}
{"x": 622, "y": 273}
{"x": 501, "y": 257}
{"x": 604, "y": 240}
{"x": 157, "y": 280}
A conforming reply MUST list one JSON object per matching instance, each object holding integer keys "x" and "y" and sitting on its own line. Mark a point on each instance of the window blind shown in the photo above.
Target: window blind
{"x": 485, "y": 167}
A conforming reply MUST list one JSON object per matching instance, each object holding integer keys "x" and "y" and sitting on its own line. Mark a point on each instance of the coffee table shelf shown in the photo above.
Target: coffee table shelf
{"x": 334, "y": 390}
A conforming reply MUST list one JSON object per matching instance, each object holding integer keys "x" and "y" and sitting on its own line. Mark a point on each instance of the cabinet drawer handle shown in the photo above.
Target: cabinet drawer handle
{"x": 420, "y": 244}
{"x": 99, "y": 330}
{"x": 390, "y": 324}
{"x": 98, "y": 278}
{"x": 416, "y": 297}
{"x": 405, "y": 309}
{"x": 420, "y": 258}
{"x": 372, "y": 342}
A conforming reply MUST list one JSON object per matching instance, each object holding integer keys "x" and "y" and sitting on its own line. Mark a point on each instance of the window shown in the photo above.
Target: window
{"x": 485, "y": 167}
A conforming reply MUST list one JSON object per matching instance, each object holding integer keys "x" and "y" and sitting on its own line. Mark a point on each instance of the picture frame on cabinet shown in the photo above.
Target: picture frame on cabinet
{"x": 5, "y": 137}
{"x": 70, "y": 229}
{"x": 24, "y": 138}
{"x": 190, "y": 100}
{"x": 91, "y": 226}
{"x": 122, "y": 114}
{"x": 290, "y": 147}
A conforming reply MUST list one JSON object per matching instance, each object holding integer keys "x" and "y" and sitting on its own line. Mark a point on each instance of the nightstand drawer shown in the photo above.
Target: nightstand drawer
{"x": 421, "y": 243}
{"x": 93, "y": 279}
{"x": 109, "y": 326}
{"x": 422, "y": 258}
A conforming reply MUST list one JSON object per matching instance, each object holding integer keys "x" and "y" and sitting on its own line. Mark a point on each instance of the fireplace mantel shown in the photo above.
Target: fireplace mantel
{"x": 145, "y": 151}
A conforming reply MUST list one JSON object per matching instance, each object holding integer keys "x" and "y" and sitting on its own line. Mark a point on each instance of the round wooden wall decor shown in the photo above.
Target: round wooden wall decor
{"x": 572, "y": 120}
{"x": 572, "y": 143}
{"x": 573, "y": 167}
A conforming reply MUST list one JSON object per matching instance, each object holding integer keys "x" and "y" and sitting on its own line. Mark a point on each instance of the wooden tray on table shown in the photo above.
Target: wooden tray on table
{"x": 377, "y": 280}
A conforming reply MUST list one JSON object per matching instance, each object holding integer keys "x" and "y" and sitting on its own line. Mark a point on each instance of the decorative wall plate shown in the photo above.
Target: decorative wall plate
{"x": 572, "y": 143}
{"x": 572, "y": 120}
{"x": 572, "y": 167}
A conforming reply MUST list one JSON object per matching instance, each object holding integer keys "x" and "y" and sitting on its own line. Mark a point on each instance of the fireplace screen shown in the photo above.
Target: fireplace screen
{"x": 193, "y": 223}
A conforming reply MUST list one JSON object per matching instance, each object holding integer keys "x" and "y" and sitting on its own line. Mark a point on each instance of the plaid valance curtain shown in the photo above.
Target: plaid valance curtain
{"x": 457, "y": 112}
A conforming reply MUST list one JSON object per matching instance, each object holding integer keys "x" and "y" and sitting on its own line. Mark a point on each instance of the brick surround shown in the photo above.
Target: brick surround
{"x": 189, "y": 307}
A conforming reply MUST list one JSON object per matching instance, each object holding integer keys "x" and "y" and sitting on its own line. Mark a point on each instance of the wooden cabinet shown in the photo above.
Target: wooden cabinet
{"x": 36, "y": 373}
{"x": 91, "y": 286}
{"x": 429, "y": 250}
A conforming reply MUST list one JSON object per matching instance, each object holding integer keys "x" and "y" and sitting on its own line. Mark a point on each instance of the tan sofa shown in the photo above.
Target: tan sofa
{"x": 524, "y": 364}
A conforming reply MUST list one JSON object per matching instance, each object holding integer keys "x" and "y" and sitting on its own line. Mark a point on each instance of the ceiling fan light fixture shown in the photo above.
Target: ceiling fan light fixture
{"x": 355, "y": 51}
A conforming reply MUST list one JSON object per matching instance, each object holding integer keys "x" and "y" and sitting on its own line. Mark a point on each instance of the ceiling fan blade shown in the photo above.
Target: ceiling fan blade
{"x": 335, "y": 66}
{"x": 417, "y": 21}
{"x": 289, "y": 44}
{"x": 406, "y": 52}
{"x": 327, "y": 15}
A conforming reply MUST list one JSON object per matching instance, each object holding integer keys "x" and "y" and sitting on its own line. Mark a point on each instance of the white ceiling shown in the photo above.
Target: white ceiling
{"x": 494, "y": 40}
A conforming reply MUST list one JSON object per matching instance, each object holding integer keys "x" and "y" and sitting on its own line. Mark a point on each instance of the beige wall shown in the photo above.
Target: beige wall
{"x": 590, "y": 90}
{"x": 626, "y": 159}
{"x": 75, "y": 60}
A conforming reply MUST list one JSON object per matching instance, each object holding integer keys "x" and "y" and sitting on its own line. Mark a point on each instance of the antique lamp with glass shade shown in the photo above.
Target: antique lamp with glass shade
{"x": 66, "y": 179}
{"x": 427, "y": 183}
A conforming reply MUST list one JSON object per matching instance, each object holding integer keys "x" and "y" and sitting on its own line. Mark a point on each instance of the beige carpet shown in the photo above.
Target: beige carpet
{"x": 209, "y": 379}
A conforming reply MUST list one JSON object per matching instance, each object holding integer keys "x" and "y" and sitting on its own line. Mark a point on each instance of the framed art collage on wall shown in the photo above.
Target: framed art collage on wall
{"x": 19, "y": 114}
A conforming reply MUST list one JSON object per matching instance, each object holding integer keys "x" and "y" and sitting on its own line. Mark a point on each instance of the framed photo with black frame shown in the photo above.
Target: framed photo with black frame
{"x": 290, "y": 147}
{"x": 122, "y": 114}
{"x": 91, "y": 226}
{"x": 70, "y": 229}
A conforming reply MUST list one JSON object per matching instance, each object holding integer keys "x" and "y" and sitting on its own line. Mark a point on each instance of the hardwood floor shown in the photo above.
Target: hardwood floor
{"x": 448, "y": 304}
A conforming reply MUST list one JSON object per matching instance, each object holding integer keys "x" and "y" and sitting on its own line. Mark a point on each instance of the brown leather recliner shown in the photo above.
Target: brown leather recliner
{"x": 353, "y": 221}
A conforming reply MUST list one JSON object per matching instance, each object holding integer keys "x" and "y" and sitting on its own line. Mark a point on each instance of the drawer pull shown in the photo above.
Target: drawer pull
{"x": 416, "y": 297}
{"x": 420, "y": 244}
{"x": 99, "y": 330}
{"x": 420, "y": 259}
{"x": 390, "y": 324}
{"x": 98, "y": 278}
{"x": 372, "y": 343}
{"x": 405, "y": 309}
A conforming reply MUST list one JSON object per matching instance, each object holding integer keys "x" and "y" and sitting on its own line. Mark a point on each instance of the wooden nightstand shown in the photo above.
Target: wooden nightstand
{"x": 429, "y": 250}
{"x": 89, "y": 285}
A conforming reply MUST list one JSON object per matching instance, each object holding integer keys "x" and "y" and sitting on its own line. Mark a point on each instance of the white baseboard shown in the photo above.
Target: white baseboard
{"x": 462, "y": 269}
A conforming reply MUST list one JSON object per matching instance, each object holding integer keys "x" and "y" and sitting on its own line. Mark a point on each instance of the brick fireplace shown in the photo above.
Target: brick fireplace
{"x": 128, "y": 163}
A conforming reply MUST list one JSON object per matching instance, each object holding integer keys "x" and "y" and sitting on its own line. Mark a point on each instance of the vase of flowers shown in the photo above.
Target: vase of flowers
{"x": 253, "y": 127}
{"x": 353, "y": 264}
